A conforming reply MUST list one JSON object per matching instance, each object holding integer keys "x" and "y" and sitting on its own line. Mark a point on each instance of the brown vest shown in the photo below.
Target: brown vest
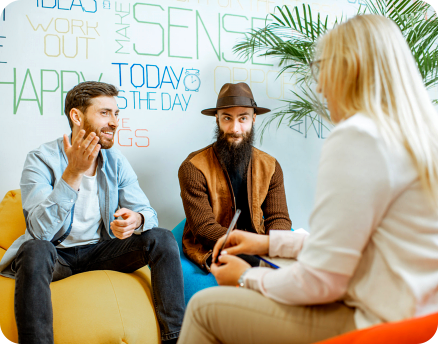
{"x": 222, "y": 201}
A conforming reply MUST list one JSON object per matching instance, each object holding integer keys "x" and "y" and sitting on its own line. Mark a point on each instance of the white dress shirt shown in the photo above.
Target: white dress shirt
{"x": 374, "y": 234}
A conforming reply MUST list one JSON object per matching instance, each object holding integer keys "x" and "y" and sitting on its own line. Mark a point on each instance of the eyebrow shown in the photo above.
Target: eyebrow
{"x": 110, "y": 110}
{"x": 240, "y": 115}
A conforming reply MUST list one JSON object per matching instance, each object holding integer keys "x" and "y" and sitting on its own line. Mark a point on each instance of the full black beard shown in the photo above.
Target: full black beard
{"x": 234, "y": 156}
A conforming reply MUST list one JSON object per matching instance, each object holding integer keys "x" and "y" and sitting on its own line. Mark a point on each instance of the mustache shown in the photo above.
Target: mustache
{"x": 107, "y": 129}
{"x": 233, "y": 135}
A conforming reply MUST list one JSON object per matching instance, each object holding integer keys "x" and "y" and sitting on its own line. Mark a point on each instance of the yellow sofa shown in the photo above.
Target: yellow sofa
{"x": 94, "y": 307}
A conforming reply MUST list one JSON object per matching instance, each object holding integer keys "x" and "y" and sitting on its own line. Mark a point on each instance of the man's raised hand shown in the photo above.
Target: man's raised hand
{"x": 81, "y": 155}
{"x": 82, "y": 152}
{"x": 123, "y": 229}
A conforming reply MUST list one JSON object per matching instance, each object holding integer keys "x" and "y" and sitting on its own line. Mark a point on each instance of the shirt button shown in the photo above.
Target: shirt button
{"x": 59, "y": 221}
{"x": 71, "y": 201}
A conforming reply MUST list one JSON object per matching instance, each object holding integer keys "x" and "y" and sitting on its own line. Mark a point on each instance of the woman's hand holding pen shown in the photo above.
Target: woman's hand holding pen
{"x": 243, "y": 242}
{"x": 229, "y": 269}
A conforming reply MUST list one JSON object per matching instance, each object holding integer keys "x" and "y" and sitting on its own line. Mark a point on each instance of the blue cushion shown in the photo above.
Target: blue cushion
{"x": 195, "y": 279}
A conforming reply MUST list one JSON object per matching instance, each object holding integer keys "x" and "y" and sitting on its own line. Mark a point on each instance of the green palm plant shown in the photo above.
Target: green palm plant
{"x": 291, "y": 37}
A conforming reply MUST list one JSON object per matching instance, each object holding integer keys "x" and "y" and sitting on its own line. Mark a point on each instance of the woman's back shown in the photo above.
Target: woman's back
{"x": 372, "y": 190}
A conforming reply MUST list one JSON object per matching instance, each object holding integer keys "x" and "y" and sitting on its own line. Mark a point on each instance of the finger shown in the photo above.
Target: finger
{"x": 126, "y": 235}
{"x": 214, "y": 269}
{"x": 123, "y": 235}
{"x": 87, "y": 141}
{"x": 121, "y": 232}
{"x": 121, "y": 223}
{"x": 225, "y": 258}
{"x": 217, "y": 247}
{"x": 67, "y": 144}
{"x": 95, "y": 152}
{"x": 91, "y": 147}
{"x": 79, "y": 138}
{"x": 121, "y": 212}
{"x": 234, "y": 250}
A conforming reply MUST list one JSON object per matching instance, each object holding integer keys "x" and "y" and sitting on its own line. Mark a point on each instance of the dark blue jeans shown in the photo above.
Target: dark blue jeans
{"x": 38, "y": 263}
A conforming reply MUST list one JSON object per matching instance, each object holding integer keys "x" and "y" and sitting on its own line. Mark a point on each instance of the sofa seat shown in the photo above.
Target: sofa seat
{"x": 94, "y": 307}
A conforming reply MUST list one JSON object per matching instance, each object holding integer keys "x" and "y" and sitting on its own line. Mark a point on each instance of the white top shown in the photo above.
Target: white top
{"x": 86, "y": 217}
{"x": 374, "y": 235}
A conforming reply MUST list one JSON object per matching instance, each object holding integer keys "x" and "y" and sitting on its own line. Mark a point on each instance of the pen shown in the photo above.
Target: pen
{"x": 232, "y": 224}
{"x": 267, "y": 262}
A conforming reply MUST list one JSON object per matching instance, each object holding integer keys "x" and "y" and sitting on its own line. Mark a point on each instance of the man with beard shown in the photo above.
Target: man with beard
{"x": 84, "y": 211}
{"x": 230, "y": 174}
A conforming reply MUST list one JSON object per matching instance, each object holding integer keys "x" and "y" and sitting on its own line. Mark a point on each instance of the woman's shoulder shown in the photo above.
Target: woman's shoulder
{"x": 358, "y": 123}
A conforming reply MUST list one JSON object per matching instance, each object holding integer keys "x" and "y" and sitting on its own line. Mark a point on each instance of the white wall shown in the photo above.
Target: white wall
{"x": 43, "y": 52}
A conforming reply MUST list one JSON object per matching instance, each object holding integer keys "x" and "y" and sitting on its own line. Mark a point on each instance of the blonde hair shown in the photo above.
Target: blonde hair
{"x": 367, "y": 66}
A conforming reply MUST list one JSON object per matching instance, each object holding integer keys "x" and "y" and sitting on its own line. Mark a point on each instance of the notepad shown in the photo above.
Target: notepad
{"x": 280, "y": 262}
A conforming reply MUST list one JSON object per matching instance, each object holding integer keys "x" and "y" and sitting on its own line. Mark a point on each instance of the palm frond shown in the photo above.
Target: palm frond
{"x": 293, "y": 32}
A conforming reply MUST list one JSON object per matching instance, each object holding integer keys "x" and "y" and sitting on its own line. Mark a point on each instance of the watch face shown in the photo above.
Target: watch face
{"x": 192, "y": 82}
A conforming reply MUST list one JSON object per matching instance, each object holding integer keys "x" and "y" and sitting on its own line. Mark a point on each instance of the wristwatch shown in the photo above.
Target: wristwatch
{"x": 241, "y": 281}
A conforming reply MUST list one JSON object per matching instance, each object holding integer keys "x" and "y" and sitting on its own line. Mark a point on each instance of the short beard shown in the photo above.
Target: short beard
{"x": 234, "y": 156}
{"x": 103, "y": 143}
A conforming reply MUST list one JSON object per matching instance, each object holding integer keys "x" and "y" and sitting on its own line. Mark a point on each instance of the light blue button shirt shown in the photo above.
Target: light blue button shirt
{"x": 48, "y": 201}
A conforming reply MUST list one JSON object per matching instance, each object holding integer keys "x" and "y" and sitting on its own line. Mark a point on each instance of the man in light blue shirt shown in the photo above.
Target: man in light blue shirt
{"x": 84, "y": 211}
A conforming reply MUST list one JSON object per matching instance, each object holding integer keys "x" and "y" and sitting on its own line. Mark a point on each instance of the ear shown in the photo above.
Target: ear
{"x": 76, "y": 116}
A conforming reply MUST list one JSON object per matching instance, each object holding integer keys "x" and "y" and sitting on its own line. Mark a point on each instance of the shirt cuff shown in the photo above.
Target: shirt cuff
{"x": 63, "y": 195}
{"x": 286, "y": 244}
{"x": 147, "y": 224}
{"x": 139, "y": 229}
{"x": 253, "y": 279}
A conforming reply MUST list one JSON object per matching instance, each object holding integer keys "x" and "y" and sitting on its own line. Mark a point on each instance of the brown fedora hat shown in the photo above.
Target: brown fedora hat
{"x": 232, "y": 95}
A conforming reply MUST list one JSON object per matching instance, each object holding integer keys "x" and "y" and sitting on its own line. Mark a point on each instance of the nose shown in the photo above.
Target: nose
{"x": 236, "y": 126}
{"x": 114, "y": 121}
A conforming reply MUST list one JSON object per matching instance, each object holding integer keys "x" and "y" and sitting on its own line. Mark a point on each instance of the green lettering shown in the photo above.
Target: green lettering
{"x": 231, "y": 31}
{"x": 152, "y": 23}
{"x": 36, "y": 99}
{"x": 62, "y": 86}
{"x": 217, "y": 52}
{"x": 14, "y": 83}
{"x": 42, "y": 84}
{"x": 173, "y": 25}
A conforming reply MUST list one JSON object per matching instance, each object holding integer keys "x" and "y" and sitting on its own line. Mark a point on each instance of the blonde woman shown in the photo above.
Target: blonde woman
{"x": 372, "y": 255}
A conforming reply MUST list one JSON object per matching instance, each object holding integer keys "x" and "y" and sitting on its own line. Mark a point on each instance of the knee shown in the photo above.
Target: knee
{"x": 165, "y": 240}
{"x": 35, "y": 255}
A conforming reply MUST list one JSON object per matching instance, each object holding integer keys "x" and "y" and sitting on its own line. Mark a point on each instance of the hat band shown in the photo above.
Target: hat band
{"x": 236, "y": 101}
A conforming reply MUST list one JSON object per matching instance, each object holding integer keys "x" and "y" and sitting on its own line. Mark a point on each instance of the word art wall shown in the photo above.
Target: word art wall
{"x": 169, "y": 59}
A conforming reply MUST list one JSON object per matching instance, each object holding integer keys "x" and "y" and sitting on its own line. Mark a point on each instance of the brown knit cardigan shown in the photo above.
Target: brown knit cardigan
{"x": 209, "y": 202}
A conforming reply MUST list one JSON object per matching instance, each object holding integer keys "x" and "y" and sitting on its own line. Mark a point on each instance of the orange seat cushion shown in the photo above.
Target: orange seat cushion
{"x": 411, "y": 331}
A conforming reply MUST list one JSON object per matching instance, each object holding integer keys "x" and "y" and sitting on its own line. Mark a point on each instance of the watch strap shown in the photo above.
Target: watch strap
{"x": 241, "y": 281}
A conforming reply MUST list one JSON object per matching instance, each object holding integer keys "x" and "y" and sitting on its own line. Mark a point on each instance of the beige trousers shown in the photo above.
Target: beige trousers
{"x": 238, "y": 315}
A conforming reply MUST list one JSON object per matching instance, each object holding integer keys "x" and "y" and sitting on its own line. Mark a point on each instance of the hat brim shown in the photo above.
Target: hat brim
{"x": 213, "y": 111}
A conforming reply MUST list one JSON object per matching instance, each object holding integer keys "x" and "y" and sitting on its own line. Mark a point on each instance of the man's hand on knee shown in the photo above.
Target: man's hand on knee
{"x": 123, "y": 229}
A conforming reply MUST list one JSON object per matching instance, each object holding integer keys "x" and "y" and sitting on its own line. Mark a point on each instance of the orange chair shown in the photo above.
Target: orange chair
{"x": 411, "y": 331}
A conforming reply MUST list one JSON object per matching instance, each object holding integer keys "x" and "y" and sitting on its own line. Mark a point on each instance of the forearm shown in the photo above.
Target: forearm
{"x": 205, "y": 229}
{"x": 45, "y": 217}
{"x": 286, "y": 244}
{"x": 72, "y": 178}
{"x": 297, "y": 284}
